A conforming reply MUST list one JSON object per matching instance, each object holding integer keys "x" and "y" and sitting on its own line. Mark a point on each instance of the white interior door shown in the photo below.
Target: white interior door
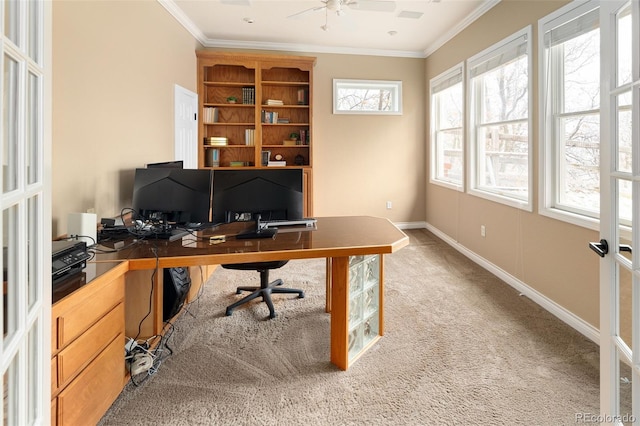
{"x": 620, "y": 214}
{"x": 25, "y": 212}
{"x": 186, "y": 127}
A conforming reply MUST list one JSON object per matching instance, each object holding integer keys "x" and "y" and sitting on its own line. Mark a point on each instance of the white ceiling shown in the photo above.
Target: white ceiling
{"x": 268, "y": 24}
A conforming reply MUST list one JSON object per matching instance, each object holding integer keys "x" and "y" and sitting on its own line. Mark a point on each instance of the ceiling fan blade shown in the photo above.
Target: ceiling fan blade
{"x": 372, "y": 5}
{"x": 304, "y": 12}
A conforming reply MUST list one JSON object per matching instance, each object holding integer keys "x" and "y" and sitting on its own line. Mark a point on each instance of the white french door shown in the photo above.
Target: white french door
{"x": 25, "y": 212}
{"x": 620, "y": 213}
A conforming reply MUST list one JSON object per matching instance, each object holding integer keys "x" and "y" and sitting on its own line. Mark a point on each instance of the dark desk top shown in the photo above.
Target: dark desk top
{"x": 75, "y": 282}
{"x": 333, "y": 237}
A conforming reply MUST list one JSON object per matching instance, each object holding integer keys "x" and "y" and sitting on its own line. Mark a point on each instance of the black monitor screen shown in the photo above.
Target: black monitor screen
{"x": 239, "y": 195}
{"x": 172, "y": 195}
{"x": 177, "y": 164}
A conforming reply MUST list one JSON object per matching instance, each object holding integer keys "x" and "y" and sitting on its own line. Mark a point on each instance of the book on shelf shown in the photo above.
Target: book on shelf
{"x": 304, "y": 136}
{"x": 275, "y": 163}
{"x": 283, "y": 120}
{"x": 216, "y": 141}
{"x": 274, "y": 102}
{"x": 249, "y": 137}
{"x": 249, "y": 95}
{"x": 210, "y": 115}
{"x": 270, "y": 117}
{"x": 303, "y": 96}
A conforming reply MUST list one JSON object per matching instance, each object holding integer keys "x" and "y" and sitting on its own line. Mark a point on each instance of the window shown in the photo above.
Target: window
{"x": 367, "y": 97}
{"x": 570, "y": 114}
{"x": 499, "y": 120}
{"x": 447, "y": 131}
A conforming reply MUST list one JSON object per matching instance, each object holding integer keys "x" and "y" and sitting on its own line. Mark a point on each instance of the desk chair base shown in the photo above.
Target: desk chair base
{"x": 265, "y": 291}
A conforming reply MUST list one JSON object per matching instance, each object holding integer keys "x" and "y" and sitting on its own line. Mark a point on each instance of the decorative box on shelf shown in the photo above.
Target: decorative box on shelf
{"x": 289, "y": 142}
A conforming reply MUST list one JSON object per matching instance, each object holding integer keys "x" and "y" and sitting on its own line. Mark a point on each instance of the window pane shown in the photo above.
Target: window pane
{"x": 504, "y": 92}
{"x": 448, "y": 134}
{"x": 625, "y": 51}
{"x": 449, "y": 103}
{"x": 623, "y": 139}
{"x": 10, "y": 125}
{"x": 503, "y": 159}
{"x": 449, "y": 164}
{"x": 10, "y": 295}
{"x": 625, "y": 201}
{"x": 367, "y": 97}
{"x": 581, "y": 63}
{"x": 579, "y": 165}
{"x": 33, "y": 148}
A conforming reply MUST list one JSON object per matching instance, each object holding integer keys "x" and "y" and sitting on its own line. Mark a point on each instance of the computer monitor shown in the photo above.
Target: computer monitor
{"x": 172, "y": 195}
{"x": 177, "y": 164}
{"x": 239, "y": 195}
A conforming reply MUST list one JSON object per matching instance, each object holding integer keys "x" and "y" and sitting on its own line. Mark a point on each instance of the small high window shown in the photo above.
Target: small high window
{"x": 367, "y": 97}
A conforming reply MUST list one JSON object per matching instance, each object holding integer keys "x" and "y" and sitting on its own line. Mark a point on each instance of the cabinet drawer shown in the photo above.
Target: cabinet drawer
{"x": 90, "y": 395}
{"x": 77, "y": 314}
{"x": 54, "y": 374}
{"x": 82, "y": 351}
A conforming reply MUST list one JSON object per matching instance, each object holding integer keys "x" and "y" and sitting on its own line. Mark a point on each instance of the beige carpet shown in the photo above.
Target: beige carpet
{"x": 461, "y": 348}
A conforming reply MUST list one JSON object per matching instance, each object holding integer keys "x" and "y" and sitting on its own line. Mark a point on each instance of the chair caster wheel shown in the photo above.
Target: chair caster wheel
{"x": 229, "y": 312}
{"x": 301, "y": 296}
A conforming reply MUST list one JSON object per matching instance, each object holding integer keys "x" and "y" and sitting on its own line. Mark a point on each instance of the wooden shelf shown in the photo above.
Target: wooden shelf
{"x": 252, "y": 79}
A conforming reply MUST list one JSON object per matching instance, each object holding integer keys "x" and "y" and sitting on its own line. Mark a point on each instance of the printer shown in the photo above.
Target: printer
{"x": 68, "y": 258}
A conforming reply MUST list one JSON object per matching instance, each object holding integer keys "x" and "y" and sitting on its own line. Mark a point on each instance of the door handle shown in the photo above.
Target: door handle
{"x": 600, "y": 248}
{"x": 624, "y": 247}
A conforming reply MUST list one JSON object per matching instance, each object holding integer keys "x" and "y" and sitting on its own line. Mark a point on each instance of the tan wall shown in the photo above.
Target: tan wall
{"x": 115, "y": 64}
{"x": 550, "y": 256}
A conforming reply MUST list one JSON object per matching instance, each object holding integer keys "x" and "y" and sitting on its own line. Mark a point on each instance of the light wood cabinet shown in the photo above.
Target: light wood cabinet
{"x": 87, "y": 364}
{"x": 273, "y": 101}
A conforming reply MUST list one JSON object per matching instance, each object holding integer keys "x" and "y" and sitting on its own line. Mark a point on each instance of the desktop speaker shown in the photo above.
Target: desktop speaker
{"x": 176, "y": 285}
{"x": 84, "y": 226}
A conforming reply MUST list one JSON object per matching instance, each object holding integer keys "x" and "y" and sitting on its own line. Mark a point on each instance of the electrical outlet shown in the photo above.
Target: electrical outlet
{"x": 483, "y": 231}
{"x": 389, "y": 205}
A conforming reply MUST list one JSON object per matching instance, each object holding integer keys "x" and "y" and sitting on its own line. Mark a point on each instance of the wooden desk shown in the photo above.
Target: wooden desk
{"x": 353, "y": 245}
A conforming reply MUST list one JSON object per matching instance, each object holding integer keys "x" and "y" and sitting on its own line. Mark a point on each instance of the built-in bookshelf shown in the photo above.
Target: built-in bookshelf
{"x": 255, "y": 103}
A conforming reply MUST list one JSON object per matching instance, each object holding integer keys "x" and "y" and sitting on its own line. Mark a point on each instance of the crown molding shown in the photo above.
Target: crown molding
{"x": 481, "y": 10}
{"x": 197, "y": 33}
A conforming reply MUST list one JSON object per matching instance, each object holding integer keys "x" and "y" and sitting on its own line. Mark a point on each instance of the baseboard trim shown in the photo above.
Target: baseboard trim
{"x": 586, "y": 329}
{"x": 411, "y": 225}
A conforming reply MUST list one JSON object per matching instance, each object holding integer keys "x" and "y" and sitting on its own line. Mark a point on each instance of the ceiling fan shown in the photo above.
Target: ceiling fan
{"x": 340, "y": 6}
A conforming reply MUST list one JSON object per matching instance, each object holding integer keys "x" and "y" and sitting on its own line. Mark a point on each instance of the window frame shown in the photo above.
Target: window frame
{"x": 505, "y": 46}
{"x": 395, "y": 86}
{"x": 548, "y": 185}
{"x": 448, "y": 80}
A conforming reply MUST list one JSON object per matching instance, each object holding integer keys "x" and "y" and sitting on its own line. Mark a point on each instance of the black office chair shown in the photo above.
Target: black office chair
{"x": 266, "y": 287}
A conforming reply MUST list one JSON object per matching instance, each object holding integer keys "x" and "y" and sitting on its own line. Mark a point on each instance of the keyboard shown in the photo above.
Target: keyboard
{"x": 307, "y": 222}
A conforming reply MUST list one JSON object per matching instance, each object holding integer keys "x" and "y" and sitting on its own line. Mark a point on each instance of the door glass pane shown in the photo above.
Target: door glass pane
{"x": 625, "y": 204}
{"x": 623, "y": 133}
{"x": 33, "y": 244}
{"x": 34, "y": 29}
{"x": 11, "y": 20}
{"x": 10, "y": 397}
{"x": 33, "y": 373}
{"x": 10, "y": 295}
{"x": 10, "y": 125}
{"x": 33, "y": 150}
{"x": 625, "y": 303}
{"x": 624, "y": 49}
{"x": 625, "y": 411}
